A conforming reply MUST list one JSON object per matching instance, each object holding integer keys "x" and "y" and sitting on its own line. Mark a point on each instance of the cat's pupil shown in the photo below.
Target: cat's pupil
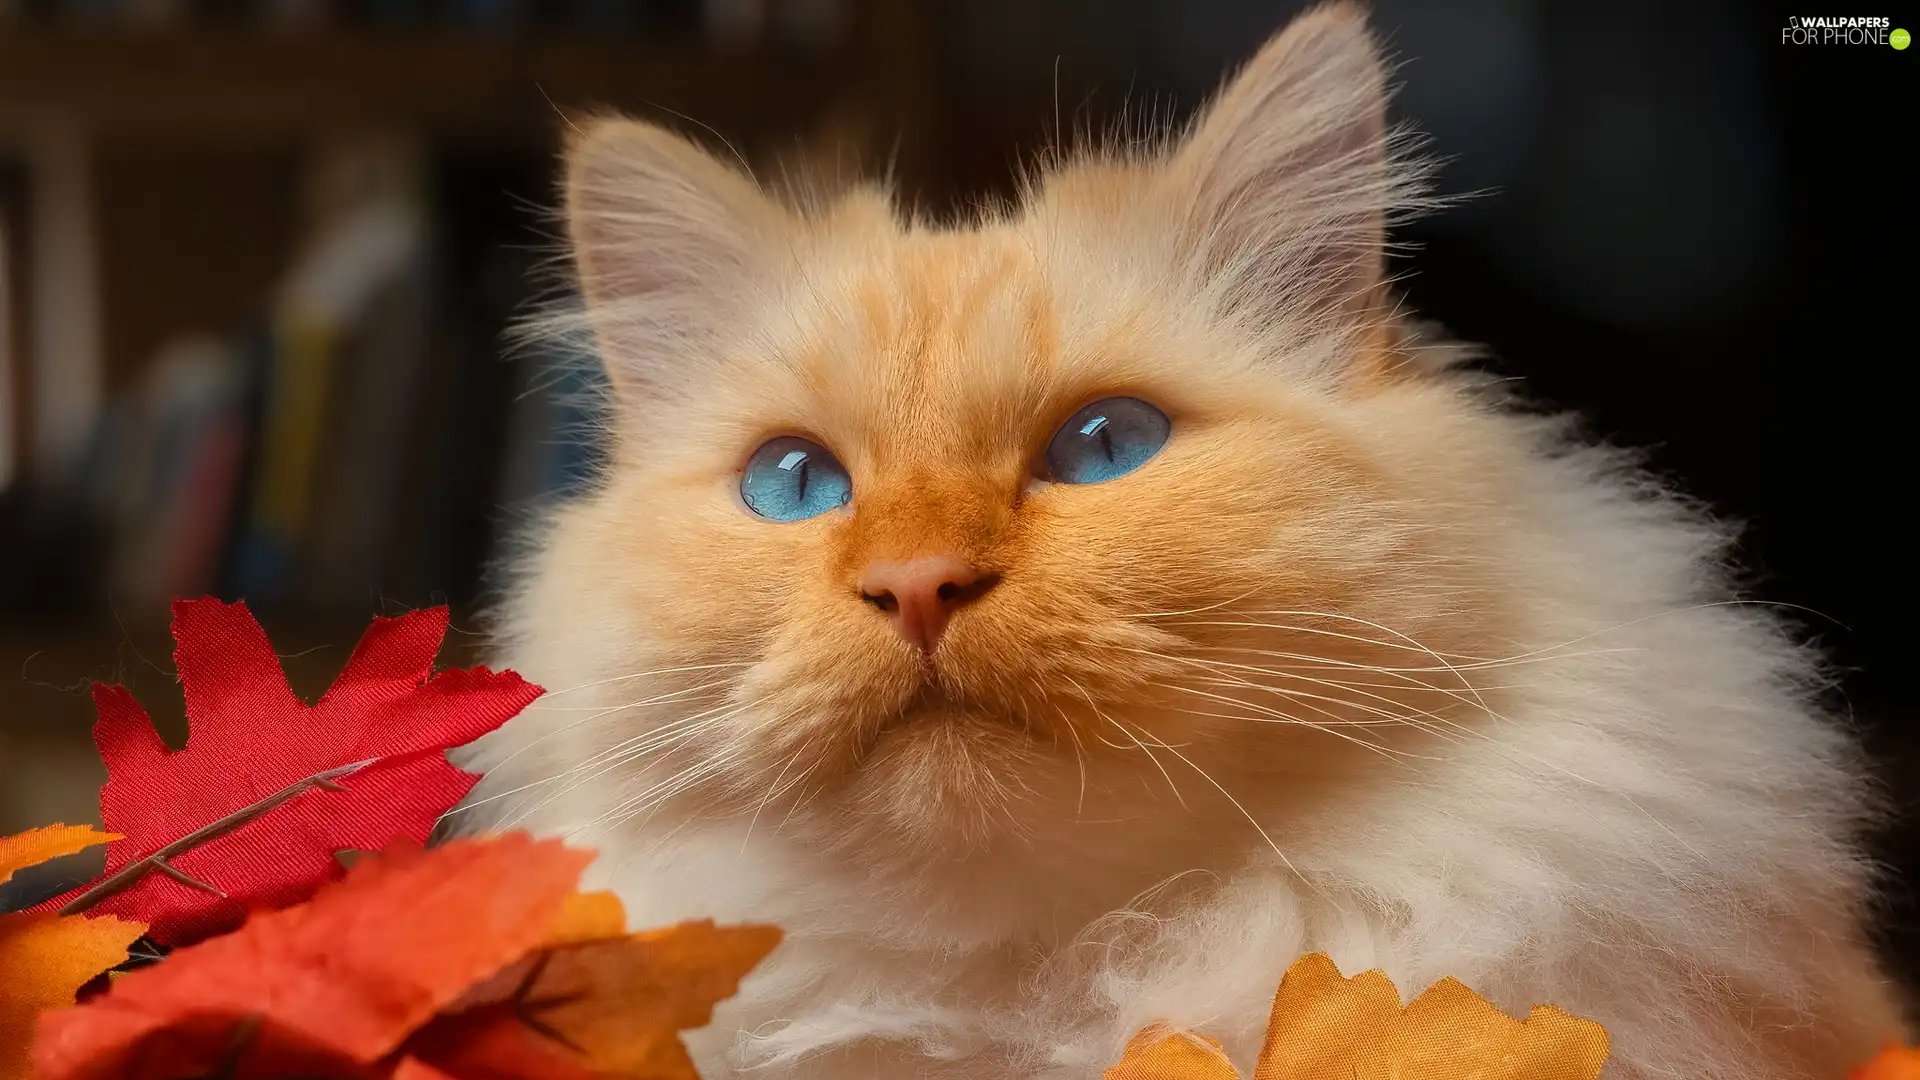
{"x": 1099, "y": 426}
{"x": 795, "y": 464}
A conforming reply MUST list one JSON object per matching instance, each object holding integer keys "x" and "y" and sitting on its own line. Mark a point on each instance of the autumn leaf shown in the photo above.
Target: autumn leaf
{"x": 623, "y": 1003}
{"x": 249, "y": 814}
{"x": 415, "y": 1069}
{"x": 346, "y": 977}
{"x": 493, "y": 1043}
{"x": 1160, "y": 1054}
{"x": 47, "y": 958}
{"x": 1325, "y": 1027}
{"x": 1894, "y": 1063}
{"x": 35, "y": 846}
{"x": 614, "y": 1006}
{"x": 593, "y": 916}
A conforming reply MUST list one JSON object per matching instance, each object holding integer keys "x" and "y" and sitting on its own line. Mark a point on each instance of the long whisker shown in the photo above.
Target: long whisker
{"x": 602, "y": 713}
{"x": 1079, "y": 756}
{"x": 799, "y": 783}
{"x": 1402, "y": 678}
{"x": 1595, "y": 633}
{"x": 1534, "y": 657}
{"x": 591, "y": 760}
{"x": 1208, "y": 777}
{"x": 1189, "y": 611}
{"x": 1097, "y": 711}
{"x": 551, "y": 694}
{"x": 658, "y": 793}
{"x": 1305, "y": 697}
{"x": 1476, "y": 702}
{"x": 772, "y": 790}
{"x": 1323, "y": 632}
{"x": 1398, "y": 757}
{"x": 1389, "y": 631}
{"x": 599, "y": 765}
{"x": 1278, "y": 716}
{"x": 1511, "y": 752}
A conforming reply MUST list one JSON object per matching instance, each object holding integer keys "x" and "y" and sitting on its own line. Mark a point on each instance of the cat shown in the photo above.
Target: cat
{"x": 1060, "y": 623}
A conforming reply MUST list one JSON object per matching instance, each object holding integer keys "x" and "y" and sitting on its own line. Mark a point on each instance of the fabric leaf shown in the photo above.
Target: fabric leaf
{"x": 592, "y": 916}
{"x": 1894, "y": 1063}
{"x": 493, "y": 1043}
{"x": 363, "y": 766}
{"x": 1160, "y": 1054}
{"x": 414, "y": 1069}
{"x": 47, "y": 958}
{"x": 617, "y": 1005}
{"x": 344, "y": 978}
{"x": 1325, "y": 1027}
{"x": 36, "y": 846}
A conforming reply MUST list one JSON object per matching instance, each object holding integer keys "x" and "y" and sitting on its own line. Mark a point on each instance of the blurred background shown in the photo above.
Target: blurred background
{"x": 257, "y": 258}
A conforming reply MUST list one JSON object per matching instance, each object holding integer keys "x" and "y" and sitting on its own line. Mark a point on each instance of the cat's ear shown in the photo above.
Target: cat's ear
{"x": 1284, "y": 185}
{"x": 669, "y": 243}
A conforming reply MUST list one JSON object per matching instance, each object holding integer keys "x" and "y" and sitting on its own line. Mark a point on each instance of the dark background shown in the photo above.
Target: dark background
{"x": 1693, "y": 234}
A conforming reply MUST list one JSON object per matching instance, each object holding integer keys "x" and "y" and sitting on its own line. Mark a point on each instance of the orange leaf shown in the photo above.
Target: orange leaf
{"x": 1325, "y": 1027}
{"x": 587, "y": 917}
{"x": 47, "y": 958}
{"x": 1894, "y": 1063}
{"x": 1160, "y": 1054}
{"x": 493, "y": 1043}
{"x": 36, "y": 846}
{"x": 415, "y": 1069}
{"x": 618, "y": 1004}
{"x": 350, "y": 974}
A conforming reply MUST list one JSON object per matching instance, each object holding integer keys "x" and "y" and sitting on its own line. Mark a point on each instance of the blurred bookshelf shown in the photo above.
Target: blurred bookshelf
{"x": 238, "y": 87}
{"x": 258, "y": 265}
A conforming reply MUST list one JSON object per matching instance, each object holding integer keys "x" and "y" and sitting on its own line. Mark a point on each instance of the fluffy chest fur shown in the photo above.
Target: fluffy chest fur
{"x": 1329, "y": 648}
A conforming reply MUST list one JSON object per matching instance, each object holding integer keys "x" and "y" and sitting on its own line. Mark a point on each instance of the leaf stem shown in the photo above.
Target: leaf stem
{"x": 134, "y": 871}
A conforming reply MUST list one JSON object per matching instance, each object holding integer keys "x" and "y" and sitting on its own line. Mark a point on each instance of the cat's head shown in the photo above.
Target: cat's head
{"x": 1131, "y": 497}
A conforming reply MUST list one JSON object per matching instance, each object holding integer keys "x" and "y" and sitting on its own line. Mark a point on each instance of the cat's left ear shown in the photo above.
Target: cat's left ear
{"x": 671, "y": 244}
{"x": 1285, "y": 183}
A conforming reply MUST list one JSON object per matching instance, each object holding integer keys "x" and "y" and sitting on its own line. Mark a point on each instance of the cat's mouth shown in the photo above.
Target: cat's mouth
{"x": 944, "y": 770}
{"x": 935, "y": 706}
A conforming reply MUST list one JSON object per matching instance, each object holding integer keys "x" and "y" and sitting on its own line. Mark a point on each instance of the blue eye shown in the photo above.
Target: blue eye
{"x": 1108, "y": 438}
{"x": 791, "y": 479}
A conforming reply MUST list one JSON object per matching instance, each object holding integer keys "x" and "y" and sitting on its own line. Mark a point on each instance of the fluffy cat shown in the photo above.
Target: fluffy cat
{"x": 1364, "y": 659}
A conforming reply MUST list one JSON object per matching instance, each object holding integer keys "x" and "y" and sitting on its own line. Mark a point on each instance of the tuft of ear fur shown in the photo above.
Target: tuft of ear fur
{"x": 669, "y": 243}
{"x": 1285, "y": 183}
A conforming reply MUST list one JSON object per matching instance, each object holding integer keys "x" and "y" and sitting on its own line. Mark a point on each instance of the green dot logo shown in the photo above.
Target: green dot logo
{"x": 1899, "y": 39}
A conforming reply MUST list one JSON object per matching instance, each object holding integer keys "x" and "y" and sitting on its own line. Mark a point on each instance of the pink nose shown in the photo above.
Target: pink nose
{"x": 922, "y": 594}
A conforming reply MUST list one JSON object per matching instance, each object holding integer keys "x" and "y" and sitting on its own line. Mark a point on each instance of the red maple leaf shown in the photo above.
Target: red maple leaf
{"x": 252, "y": 811}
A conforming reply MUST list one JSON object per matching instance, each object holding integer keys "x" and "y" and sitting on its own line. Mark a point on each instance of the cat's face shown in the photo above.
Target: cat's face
{"x": 952, "y": 631}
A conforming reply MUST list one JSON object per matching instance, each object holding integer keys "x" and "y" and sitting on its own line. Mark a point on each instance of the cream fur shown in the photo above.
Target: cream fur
{"x": 1368, "y": 661}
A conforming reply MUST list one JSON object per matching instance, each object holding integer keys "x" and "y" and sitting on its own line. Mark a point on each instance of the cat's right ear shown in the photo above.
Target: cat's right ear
{"x": 1285, "y": 184}
{"x": 669, "y": 243}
